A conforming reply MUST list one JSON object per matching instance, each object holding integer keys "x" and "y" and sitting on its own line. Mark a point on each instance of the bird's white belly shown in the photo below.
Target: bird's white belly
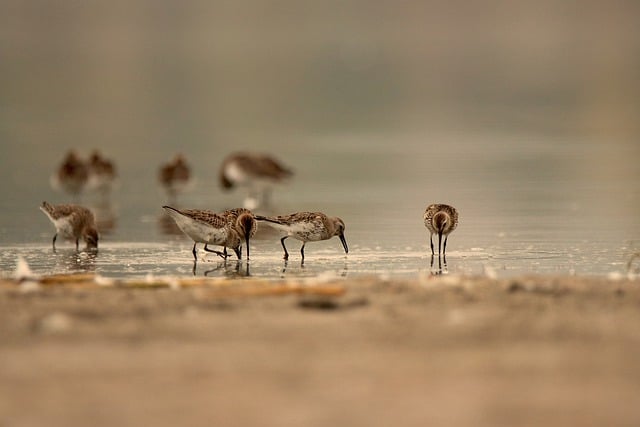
{"x": 64, "y": 228}
{"x": 200, "y": 232}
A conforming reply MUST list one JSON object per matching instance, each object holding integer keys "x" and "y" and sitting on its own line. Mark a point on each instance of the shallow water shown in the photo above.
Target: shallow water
{"x": 517, "y": 216}
{"x": 531, "y": 131}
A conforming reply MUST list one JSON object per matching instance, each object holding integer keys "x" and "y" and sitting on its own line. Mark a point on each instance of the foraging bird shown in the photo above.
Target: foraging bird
{"x": 227, "y": 229}
{"x": 102, "y": 173}
{"x": 175, "y": 176}
{"x": 257, "y": 172}
{"x": 441, "y": 220}
{"x": 307, "y": 227}
{"x": 72, "y": 222}
{"x": 71, "y": 176}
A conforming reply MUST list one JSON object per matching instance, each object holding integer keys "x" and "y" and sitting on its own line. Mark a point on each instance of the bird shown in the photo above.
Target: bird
{"x": 258, "y": 173}
{"x": 175, "y": 176}
{"x": 71, "y": 176}
{"x": 226, "y": 229}
{"x": 72, "y": 222}
{"x": 440, "y": 219}
{"x": 101, "y": 173}
{"x": 306, "y": 227}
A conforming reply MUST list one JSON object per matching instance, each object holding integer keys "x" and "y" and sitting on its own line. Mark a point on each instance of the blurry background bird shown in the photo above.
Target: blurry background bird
{"x": 175, "y": 177}
{"x": 257, "y": 173}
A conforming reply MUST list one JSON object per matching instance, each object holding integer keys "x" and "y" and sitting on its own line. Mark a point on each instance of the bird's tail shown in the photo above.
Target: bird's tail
{"x": 46, "y": 207}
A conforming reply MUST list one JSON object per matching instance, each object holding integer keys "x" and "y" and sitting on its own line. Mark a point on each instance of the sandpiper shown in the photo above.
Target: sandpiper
{"x": 441, "y": 220}
{"x": 71, "y": 176}
{"x": 258, "y": 173}
{"x": 307, "y": 227}
{"x": 72, "y": 222}
{"x": 175, "y": 176}
{"x": 102, "y": 173}
{"x": 223, "y": 229}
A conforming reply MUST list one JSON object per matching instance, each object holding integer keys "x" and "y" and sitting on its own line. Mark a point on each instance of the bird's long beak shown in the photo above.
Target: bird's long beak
{"x": 247, "y": 240}
{"x": 344, "y": 244}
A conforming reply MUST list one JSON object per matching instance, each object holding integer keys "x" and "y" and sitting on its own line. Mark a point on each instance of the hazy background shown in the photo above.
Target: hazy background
{"x": 525, "y": 115}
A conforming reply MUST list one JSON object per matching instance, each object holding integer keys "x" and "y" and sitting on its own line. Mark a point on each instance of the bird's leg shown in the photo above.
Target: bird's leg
{"x": 220, "y": 254}
{"x": 444, "y": 248}
{"x": 195, "y": 255}
{"x": 302, "y": 250}
{"x": 55, "y": 236}
{"x": 439, "y": 243}
{"x": 238, "y": 252}
{"x": 286, "y": 254}
{"x": 431, "y": 241}
{"x": 77, "y": 241}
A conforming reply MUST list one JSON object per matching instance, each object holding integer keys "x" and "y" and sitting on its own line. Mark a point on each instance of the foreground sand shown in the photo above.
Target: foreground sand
{"x": 362, "y": 351}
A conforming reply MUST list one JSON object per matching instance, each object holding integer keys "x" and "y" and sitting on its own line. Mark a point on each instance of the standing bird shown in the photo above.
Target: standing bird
{"x": 227, "y": 229}
{"x": 307, "y": 227}
{"x": 71, "y": 176}
{"x": 257, "y": 172}
{"x": 102, "y": 173}
{"x": 441, "y": 220}
{"x": 175, "y": 176}
{"x": 72, "y": 222}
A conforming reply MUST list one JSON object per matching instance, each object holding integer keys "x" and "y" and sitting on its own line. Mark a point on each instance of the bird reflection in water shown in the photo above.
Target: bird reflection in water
{"x": 76, "y": 262}
{"x": 229, "y": 269}
{"x": 442, "y": 265}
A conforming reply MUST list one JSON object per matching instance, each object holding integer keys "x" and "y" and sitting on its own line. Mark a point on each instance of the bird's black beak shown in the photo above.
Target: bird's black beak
{"x": 247, "y": 240}
{"x": 344, "y": 244}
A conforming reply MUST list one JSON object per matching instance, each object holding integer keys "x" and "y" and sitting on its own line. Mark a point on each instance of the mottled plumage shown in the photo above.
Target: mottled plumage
{"x": 441, "y": 220}
{"x": 227, "y": 229}
{"x": 257, "y": 172}
{"x": 72, "y": 222}
{"x": 307, "y": 227}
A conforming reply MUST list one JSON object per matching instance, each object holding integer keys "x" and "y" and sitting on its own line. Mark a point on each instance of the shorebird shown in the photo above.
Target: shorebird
{"x": 102, "y": 173}
{"x": 72, "y": 222}
{"x": 226, "y": 229}
{"x": 306, "y": 227}
{"x": 175, "y": 176}
{"x": 441, "y": 220}
{"x": 71, "y": 176}
{"x": 258, "y": 173}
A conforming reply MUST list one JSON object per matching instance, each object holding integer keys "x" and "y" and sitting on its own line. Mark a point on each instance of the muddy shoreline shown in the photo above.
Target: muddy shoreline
{"x": 461, "y": 351}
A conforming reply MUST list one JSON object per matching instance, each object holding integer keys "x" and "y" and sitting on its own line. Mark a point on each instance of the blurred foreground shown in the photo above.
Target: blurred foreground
{"x": 363, "y": 352}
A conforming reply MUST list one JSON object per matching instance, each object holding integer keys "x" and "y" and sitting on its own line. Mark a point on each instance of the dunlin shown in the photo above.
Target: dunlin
{"x": 258, "y": 173}
{"x": 307, "y": 227}
{"x": 72, "y": 222}
{"x": 102, "y": 173}
{"x": 71, "y": 176}
{"x": 226, "y": 229}
{"x": 175, "y": 176}
{"x": 441, "y": 220}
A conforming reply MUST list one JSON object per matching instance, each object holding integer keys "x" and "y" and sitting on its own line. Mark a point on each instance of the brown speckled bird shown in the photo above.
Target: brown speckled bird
{"x": 227, "y": 229}
{"x": 441, "y": 220}
{"x": 307, "y": 227}
{"x": 72, "y": 222}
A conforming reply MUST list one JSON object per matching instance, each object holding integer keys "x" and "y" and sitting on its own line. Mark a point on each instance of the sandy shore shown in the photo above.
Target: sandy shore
{"x": 448, "y": 351}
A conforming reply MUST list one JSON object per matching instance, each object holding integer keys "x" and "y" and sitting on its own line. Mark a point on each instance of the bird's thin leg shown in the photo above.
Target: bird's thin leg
{"x": 238, "y": 252}
{"x": 55, "y": 236}
{"x": 439, "y": 242}
{"x": 286, "y": 254}
{"x": 220, "y": 254}
{"x": 195, "y": 255}
{"x": 444, "y": 248}
{"x": 302, "y": 252}
{"x": 77, "y": 241}
{"x": 431, "y": 241}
